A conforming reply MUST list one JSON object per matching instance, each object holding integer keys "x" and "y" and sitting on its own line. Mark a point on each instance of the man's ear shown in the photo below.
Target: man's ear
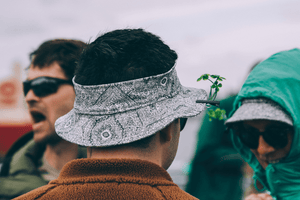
{"x": 166, "y": 133}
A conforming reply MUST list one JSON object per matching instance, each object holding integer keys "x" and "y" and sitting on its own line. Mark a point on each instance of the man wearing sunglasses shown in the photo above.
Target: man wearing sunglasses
{"x": 129, "y": 110}
{"x": 37, "y": 157}
{"x": 265, "y": 125}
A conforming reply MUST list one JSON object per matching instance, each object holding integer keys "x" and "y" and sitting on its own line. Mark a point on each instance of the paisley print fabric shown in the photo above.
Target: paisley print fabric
{"x": 123, "y": 112}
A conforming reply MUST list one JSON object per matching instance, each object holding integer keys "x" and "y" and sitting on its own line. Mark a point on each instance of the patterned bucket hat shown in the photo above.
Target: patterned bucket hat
{"x": 261, "y": 108}
{"x": 123, "y": 112}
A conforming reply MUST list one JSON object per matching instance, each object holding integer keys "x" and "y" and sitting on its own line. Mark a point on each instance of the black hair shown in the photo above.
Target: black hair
{"x": 123, "y": 55}
{"x": 63, "y": 51}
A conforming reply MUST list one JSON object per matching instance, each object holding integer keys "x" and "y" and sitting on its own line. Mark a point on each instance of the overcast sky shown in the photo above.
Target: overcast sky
{"x": 210, "y": 36}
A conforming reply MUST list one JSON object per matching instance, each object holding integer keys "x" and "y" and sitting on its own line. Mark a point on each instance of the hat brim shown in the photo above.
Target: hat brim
{"x": 259, "y": 111}
{"x": 108, "y": 130}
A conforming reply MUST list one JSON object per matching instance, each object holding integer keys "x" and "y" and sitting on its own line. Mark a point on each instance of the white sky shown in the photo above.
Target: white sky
{"x": 211, "y": 36}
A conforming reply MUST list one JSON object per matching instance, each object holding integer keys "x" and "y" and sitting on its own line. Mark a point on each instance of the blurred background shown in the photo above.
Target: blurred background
{"x": 224, "y": 37}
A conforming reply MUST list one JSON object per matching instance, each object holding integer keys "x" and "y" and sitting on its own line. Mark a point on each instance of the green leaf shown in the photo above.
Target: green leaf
{"x": 205, "y": 77}
{"x": 214, "y": 76}
{"x": 211, "y": 113}
{"x": 216, "y": 82}
{"x": 220, "y": 85}
{"x": 200, "y": 78}
{"x": 221, "y": 78}
{"x": 218, "y": 114}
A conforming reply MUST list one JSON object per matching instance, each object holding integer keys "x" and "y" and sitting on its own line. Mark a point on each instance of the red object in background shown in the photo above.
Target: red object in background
{"x": 14, "y": 117}
{"x": 8, "y": 92}
{"x": 9, "y": 133}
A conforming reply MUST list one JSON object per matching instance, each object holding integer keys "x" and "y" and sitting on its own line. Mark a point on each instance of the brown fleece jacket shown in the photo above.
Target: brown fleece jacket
{"x": 110, "y": 179}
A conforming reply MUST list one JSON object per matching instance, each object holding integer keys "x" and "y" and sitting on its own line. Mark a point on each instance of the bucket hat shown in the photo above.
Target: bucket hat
{"x": 124, "y": 112}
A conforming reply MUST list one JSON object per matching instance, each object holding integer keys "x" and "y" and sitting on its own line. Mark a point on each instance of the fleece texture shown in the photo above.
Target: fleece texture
{"x": 277, "y": 78}
{"x": 110, "y": 179}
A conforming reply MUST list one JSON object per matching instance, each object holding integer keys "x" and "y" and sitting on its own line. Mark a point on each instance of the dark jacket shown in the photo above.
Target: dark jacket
{"x": 216, "y": 170}
{"x": 19, "y": 172}
{"x": 110, "y": 179}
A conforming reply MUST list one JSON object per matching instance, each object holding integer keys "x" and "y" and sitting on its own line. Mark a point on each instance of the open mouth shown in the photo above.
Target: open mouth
{"x": 37, "y": 116}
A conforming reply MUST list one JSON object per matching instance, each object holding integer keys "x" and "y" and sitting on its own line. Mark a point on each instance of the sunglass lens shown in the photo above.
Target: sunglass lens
{"x": 44, "y": 88}
{"x": 26, "y": 87}
{"x": 276, "y": 138}
{"x": 249, "y": 138}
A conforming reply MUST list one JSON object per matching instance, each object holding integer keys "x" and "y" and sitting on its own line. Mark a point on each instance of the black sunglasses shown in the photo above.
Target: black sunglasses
{"x": 182, "y": 123}
{"x": 44, "y": 85}
{"x": 276, "y": 136}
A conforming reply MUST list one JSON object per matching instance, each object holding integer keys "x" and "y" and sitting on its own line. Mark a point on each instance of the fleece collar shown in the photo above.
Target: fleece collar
{"x": 116, "y": 170}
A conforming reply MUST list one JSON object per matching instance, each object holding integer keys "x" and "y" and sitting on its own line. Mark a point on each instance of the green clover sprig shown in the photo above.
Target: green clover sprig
{"x": 214, "y": 89}
{"x": 215, "y": 84}
{"x": 216, "y": 114}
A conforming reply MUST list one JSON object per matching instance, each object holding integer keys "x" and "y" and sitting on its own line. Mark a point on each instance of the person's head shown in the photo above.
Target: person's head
{"x": 48, "y": 90}
{"x": 265, "y": 128}
{"x": 265, "y": 116}
{"x": 127, "y": 90}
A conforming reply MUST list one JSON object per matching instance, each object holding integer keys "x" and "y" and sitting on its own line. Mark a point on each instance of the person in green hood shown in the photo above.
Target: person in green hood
{"x": 265, "y": 124}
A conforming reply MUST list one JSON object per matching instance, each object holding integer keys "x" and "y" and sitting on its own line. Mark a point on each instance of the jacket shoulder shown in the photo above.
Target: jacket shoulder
{"x": 37, "y": 193}
{"x": 106, "y": 191}
{"x": 174, "y": 192}
{"x": 24, "y": 160}
{"x": 15, "y": 147}
{"x": 20, "y": 173}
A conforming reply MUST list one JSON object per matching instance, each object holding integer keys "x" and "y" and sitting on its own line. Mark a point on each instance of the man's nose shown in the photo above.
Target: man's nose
{"x": 30, "y": 96}
{"x": 263, "y": 147}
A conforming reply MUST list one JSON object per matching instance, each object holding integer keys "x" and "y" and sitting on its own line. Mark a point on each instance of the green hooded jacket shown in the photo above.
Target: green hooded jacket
{"x": 276, "y": 78}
